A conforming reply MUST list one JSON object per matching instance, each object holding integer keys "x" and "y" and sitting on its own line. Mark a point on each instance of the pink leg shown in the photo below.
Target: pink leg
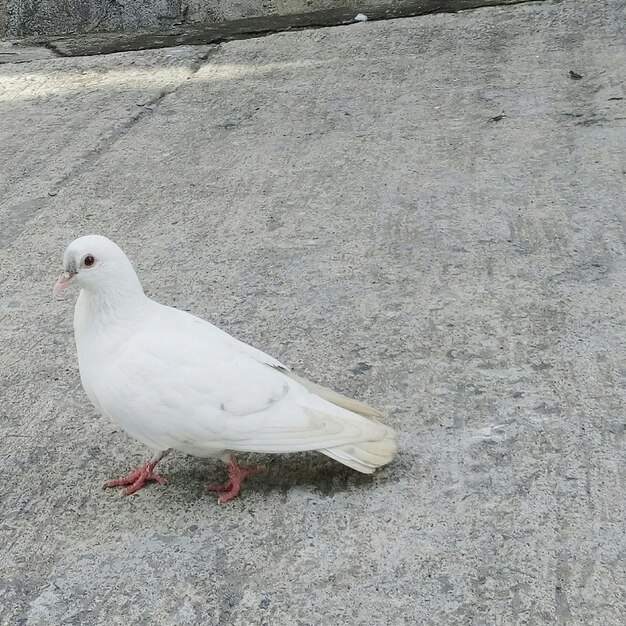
{"x": 236, "y": 475}
{"x": 139, "y": 476}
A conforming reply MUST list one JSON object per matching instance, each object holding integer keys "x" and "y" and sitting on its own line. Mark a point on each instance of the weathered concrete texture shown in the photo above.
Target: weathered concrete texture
{"x": 36, "y": 17}
{"x": 59, "y": 17}
{"x": 425, "y": 213}
{"x": 16, "y": 52}
{"x": 3, "y": 17}
{"x": 218, "y": 32}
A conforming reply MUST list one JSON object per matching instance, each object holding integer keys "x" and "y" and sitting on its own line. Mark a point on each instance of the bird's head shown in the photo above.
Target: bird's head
{"x": 97, "y": 264}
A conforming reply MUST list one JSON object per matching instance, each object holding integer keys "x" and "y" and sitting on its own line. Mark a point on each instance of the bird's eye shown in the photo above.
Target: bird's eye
{"x": 88, "y": 261}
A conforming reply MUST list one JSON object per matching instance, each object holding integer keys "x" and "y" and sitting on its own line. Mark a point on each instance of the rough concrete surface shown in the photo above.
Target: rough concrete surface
{"x": 425, "y": 213}
{"x": 189, "y": 33}
{"x": 21, "y": 18}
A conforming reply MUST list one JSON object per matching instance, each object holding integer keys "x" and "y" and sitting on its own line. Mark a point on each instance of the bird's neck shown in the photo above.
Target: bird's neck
{"x": 116, "y": 310}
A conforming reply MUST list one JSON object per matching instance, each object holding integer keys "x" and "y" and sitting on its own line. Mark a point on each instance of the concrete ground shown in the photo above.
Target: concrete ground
{"x": 425, "y": 213}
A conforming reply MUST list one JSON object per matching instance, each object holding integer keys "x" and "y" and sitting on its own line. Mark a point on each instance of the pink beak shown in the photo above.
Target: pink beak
{"x": 62, "y": 282}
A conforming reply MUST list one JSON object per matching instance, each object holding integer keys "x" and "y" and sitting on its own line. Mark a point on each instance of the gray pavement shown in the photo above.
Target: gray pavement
{"x": 426, "y": 213}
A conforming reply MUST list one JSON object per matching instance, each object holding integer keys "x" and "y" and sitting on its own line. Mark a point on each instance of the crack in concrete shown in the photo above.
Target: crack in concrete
{"x": 24, "y": 212}
{"x": 106, "y": 142}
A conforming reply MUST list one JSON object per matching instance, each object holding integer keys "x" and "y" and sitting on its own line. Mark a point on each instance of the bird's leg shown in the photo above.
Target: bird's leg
{"x": 236, "y": 475}
{"x": 139, "y": 476}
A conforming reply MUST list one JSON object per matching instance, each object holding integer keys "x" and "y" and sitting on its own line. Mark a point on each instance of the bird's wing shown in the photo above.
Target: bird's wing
{"x": 215, "y": 334}
{"x": 182, "y": 383}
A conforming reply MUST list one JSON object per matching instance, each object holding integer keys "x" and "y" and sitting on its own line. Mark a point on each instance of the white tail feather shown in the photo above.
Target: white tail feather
{"x": 365, "y": 456}
{"x": 356, "y": 406}
{"x": 362, "y": 456}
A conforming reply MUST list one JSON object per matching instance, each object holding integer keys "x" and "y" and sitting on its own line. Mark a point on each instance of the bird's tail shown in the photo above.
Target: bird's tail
{"x": 363, "y": 456}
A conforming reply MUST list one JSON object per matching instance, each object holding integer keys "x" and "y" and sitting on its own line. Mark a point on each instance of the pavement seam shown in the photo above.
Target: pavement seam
{"x": 13, "y": 230}
{"x": 146, "y": 108}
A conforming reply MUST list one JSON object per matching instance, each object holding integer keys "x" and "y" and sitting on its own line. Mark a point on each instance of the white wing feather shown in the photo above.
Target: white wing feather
{"x": 180, "y": 382}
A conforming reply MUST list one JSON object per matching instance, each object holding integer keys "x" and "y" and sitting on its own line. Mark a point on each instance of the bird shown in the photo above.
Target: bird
{"x": 174, "y": 381}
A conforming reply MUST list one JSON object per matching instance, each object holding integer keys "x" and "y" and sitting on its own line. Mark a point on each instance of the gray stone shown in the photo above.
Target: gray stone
{"x": 344, "y": 199}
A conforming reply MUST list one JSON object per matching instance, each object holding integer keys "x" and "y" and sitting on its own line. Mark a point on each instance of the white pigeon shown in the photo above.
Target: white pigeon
{"x": 174, "y": 381}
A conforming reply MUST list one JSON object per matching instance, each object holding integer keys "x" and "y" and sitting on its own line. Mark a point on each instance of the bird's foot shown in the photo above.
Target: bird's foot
{"x": 137, "y": 478}
{"x": 236, "y": 475}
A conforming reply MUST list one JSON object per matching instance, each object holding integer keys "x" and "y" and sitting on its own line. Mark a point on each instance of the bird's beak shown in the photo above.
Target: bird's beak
{"x": 62, "y": 282}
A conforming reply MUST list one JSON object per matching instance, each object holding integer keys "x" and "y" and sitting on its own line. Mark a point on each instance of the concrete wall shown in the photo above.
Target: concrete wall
{"x": 22, "y": 18}
{"x": 54, "y": 17}
{"x": 3, "y": 16}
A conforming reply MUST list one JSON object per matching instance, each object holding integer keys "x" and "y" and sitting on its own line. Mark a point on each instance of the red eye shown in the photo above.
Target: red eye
{"x": 88, "y": 261}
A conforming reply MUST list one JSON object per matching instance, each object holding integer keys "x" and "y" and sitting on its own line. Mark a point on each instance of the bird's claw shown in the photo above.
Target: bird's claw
{"x": 236, "y": 475}
{"x": 136, "y": 479}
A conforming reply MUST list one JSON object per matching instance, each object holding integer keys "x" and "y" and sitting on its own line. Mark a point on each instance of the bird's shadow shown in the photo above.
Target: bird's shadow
{"x": 281, "y": 474}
